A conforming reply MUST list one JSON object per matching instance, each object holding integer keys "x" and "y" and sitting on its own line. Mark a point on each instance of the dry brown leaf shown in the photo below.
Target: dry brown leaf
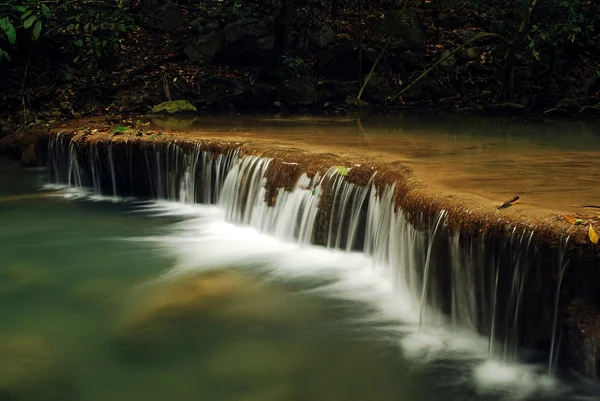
{"x": 593, "y": 236}
{"x": 569, "y": 219}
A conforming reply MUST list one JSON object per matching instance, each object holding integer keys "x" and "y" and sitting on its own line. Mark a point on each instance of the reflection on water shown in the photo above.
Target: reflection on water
{"x": 124, "y": 301}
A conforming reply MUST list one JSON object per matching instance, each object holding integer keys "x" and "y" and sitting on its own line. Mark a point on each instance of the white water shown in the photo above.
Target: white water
{"x": 396, "y": 272}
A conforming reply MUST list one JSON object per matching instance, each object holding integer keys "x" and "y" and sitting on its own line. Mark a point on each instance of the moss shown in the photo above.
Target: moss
{"x": 174, "y": 106}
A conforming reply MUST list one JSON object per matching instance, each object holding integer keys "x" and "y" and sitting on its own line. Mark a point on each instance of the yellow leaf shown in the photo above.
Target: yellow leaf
{"x": 593, "y": 236}
{"x": 569, "y": 219}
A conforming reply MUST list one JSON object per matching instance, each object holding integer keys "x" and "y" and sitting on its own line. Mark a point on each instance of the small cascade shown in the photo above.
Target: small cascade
{"x": 563, "y": 263}
{"x": 492, "y": 282}
{"x": 292, "y": 215}
{"x": 172, "y": 171}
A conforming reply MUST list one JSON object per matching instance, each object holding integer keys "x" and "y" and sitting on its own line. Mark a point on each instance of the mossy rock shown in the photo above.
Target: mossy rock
{"x": 174, "y": 106}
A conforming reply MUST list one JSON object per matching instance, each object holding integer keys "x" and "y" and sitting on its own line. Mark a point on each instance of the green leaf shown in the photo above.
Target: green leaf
{"x": 26, "y": 14}
{"x": 4, "y": 23}
{"x": 343, "y": 171}
{"x": 29, "y": 21}
{"x": 11, "y": 34}
{"x": 46, "y": 11}
{"x": 4, "y": 55}
{"x": 37, "y": 30}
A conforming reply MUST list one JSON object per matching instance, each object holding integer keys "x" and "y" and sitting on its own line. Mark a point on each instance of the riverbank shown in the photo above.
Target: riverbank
{"x": 319, "y": 58}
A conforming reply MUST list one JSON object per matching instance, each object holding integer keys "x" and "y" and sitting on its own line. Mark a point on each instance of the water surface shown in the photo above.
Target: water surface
{"x": 106, "y": 299}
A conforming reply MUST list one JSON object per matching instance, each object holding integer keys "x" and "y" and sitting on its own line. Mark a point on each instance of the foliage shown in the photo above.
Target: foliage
{"x": 558, "y": 26}
{"x": 26, "y": 16}
{"x": 92, "y": 28}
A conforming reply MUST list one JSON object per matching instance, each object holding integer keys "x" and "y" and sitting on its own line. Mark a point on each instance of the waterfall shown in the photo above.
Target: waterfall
{"x": 467, "y": 281}
{"x": 127, "y": 168}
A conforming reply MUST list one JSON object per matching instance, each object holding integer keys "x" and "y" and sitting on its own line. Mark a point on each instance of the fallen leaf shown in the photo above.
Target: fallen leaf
{"x": 569, "y": 219}
{"x": 592, "y": 234}
{"x": 342, "y": 170}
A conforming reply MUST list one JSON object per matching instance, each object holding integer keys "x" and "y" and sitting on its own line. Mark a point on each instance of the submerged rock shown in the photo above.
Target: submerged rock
{"x": 172, "y": 318}
{"x": 28, "y": 157}
{"x": 17, "y": 279}
{"x": 29, "y": 371}
{"x": 174, "y": 106}
{"x": 95, "y": 290}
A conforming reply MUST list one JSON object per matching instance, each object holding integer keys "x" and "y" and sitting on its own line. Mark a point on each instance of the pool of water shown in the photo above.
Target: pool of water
{"x": 112, "y": 299}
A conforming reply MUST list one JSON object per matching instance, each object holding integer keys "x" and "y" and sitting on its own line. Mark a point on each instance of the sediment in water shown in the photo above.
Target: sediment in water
{"x": 521, "y": 283}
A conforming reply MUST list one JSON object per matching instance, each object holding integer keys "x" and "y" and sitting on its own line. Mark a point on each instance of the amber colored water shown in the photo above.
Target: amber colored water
{"x": 553, "y": 166}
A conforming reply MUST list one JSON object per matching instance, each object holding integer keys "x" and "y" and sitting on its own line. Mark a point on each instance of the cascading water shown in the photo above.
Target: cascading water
{"x": 169, "y": 172}
{"x": 469, "y": 282}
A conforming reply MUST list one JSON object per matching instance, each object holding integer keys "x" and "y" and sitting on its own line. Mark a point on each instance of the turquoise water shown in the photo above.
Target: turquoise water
{"x": 105, "y": 299}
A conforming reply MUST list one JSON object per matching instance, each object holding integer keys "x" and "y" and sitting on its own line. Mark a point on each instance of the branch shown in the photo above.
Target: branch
{"x": 452, "y": 53}
{"x": 364, "y": 85}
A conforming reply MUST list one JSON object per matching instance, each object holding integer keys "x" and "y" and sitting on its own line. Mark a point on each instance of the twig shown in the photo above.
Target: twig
{"x": 508, "y": 203}
{"x": 364, "y": 85}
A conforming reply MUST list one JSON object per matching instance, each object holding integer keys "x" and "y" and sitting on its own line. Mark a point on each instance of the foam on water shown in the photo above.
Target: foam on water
{"x": 204, "y": 240}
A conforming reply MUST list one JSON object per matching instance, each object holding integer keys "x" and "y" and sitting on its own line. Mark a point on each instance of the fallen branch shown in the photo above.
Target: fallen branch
{"x": 452, "y": 53}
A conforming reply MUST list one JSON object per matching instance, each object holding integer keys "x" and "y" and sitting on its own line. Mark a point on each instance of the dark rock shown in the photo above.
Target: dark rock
{"x": 406, "y": 30}
{"x": 449, "y": 19}
{"x": 323, "y": 37}
{"x": 583, "y": 324}
{"x": 28, "y": 157}
{"x": 589, "y": 111}
{"x": 406, "y": 62}
{"x": 570, "y": 105}
{"x": 162, "y": 16}
{"x": 465, "y": 35}
{"x": 590, "y": 101}
{"x": 358, "y": 103}
{"x": 205, "y": 49}
{"x": 299, "y": 91}
{"x": 212, "y": 26}
{"x": 342, "y": 63}
{"x": 250, "y": 41}
{"x": 503, "y": 109}
{"x": 450, "y": 62}
{"x": 591, "y": 85}
{"x": 557, "y": 112}
{"x": 263, "y": 95}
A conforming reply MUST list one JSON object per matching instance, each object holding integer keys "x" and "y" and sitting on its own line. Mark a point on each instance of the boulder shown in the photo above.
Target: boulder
{"x": 28, "y": 157}
{"x": 322, "y": 37}
{"x": 342, "y": 62}
{"x": 204, "y": 50}
{"x": 249, "y": 41}
{"x": 589, "y": 112}
{"x": 591, "y": 85}
{"x": 450, "y": 19}
{"x": 299, "y": 91}
{"x": 570, "y": 105}
{"x": 159, "y": 15}
{"x": 174, "y": 106}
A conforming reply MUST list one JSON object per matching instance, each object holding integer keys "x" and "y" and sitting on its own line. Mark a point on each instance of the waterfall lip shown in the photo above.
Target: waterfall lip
{"x": 468, "y": 213}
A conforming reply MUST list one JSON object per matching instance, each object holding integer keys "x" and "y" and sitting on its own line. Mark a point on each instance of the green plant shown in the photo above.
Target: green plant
{"x": 15, "y": 16}
{"x": 91, "y": 28}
